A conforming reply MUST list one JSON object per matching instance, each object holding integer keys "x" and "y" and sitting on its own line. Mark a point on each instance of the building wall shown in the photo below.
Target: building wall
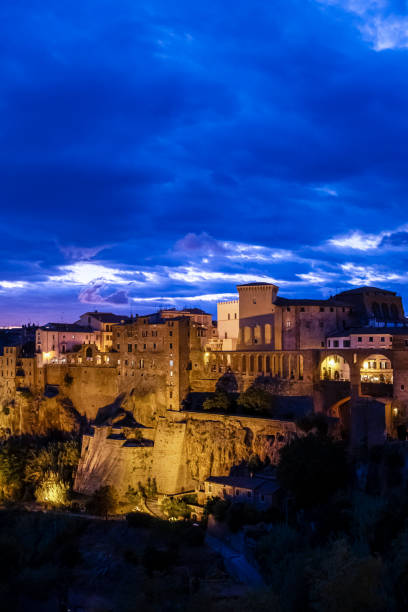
{"x": 228, "y": 320}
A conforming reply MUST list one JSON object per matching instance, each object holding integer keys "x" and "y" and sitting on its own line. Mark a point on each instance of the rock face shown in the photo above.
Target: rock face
{"x": 37, "y": 414}
{"x": 180, "y": 452}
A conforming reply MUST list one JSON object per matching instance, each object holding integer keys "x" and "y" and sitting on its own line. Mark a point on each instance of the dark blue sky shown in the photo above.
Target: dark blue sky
{"x": 162, "y": 152}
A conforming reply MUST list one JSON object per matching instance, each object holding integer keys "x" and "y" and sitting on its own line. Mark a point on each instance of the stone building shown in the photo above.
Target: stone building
{"x": 102, "y": 322}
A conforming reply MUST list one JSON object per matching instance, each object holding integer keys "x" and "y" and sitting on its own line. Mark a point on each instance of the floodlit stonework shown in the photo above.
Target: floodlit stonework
{"x": 338, "y": 356}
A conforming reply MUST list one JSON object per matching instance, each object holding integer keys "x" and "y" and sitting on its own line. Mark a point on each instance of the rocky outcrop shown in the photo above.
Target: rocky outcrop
{"x": 26, "y": 413}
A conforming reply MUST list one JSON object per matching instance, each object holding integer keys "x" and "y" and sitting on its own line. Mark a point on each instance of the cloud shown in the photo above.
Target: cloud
{"x": 92, "y": 295}
{"x": 82, "y": 273}
{"x": 356, "y": 240}
{"x": 379, "y": 21}
{"x": 201, "y": 244}
{"x": 80, "y": 253}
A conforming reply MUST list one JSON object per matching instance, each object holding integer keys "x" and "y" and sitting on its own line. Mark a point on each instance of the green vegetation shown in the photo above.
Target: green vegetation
{"x": 175, "y": 508}
{"x": 29, "y": 467}
{"x": 256, "y": 400}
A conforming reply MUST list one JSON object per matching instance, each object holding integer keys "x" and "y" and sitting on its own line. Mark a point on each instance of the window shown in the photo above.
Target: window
{"x": 402, "y": 387}
{"x": 321, "y": 309}
{"x": 144, "y": 346}
{"x": 236, "y": 491}
{"x": 229, "y": 316}
{"x": 129, "y": 348}
{"x": 346, "y": 343}
{"x": 170, "y": 333}
{"x": 359, "y": 339}
{"x": 254, "y": 301}
{"x": 154, "y": 345}
{"x": 328, "y": 344}
{"x": 382, "y": 339}
{"x": 371, "y": 339}
{"x": 235, "y": 315}
{"x": 288, "y": 324}
{"x": 335, "y": 343}
{"x": 322, "y": 343}
{"x": 302, "y": 309}
{"x": 171, "y": 394}
{"x": 171, "y": 362}
{"x": 118, "y": 347}
{"x": 249, "y": 494}
{"x": 170, "y": 345}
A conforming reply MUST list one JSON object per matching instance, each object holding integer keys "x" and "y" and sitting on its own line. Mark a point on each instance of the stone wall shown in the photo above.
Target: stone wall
{"x": 111, "y": 459}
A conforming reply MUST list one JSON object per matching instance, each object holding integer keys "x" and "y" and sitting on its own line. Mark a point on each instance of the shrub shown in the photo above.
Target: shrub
{"x": 256, "y": 400}
{"x": 68, "y": 379}
{"x": 52, "y": 490}
{"x": 220, "y": 400}
{"x": 175, "y": 508}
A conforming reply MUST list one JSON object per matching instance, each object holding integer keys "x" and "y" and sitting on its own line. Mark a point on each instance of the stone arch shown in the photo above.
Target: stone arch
{"x": 268, "y": 364}
{"x": 334, "y": 367}
{"x": 251, "y": 364}
{"x": 376, "y": 368}
{"x": 285, "y": 366}
{"x": 88, "y": 352}
{"x": 243, "y": 364}
{"x": 260, "y": 363}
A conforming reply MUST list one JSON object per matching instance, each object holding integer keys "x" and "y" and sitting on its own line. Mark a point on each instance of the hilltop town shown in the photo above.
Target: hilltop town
{"x": 148, "y": 392}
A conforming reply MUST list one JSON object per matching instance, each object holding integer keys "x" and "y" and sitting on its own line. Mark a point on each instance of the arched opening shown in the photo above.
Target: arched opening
{"x": 394, "y": 312}
{"x": 376, "y": 369}
{"x": 244, "y": 364}
{"x": 88, "y": 353}
{"x": 251, "y": 364}
{"x": 376, "y": 310}
{"x": 334, "y": 367}
{"x": 257, "y": 334}
{"x": 385, "y": 312}
{"x": 260, "y": 364}
{"x": 268, "y": 364}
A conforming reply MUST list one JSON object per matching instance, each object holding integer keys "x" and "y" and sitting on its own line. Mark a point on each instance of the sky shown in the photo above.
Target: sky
{"x": 160, "y": 153}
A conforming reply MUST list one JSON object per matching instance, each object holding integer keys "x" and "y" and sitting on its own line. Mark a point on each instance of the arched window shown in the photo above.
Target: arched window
{"x": 386, "y": 314}
{"x": 88, "y": 352}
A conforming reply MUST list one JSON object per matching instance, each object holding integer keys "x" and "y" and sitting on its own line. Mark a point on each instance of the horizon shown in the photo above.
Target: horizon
{"x": 159, "y": 155}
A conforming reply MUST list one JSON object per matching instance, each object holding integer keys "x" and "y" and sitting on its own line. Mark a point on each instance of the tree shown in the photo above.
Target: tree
{"x": 312, "y": 468}
{"x": 220, "y": 400}
{"x": 175, "y": 508}
{"x": 256, "y": 400}
{"x": 103, "y": 502}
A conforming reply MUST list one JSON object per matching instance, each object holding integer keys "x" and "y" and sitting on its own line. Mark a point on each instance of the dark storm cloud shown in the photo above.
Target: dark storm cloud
{"x": 157, "y": 139}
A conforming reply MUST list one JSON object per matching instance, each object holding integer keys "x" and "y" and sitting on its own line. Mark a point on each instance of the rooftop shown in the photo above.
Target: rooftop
{"x": 366, "y": 289}
{"x": 67, "y": 327}
{"x": 106, "y": 317}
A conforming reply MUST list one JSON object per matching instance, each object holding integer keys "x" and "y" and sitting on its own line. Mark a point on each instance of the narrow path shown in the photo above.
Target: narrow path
{"x": 235, "y": 563}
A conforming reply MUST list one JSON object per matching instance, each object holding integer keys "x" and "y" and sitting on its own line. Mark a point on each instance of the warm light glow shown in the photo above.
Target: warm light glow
{"x": 395, "y": 411}
{"x": 331, "y": 363}
{"x": 365, "y": 365}
{"x": 46, "y": 355}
